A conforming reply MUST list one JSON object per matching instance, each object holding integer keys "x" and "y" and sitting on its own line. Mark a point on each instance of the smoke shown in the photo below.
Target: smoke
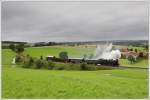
{"x": 106, "y": 52}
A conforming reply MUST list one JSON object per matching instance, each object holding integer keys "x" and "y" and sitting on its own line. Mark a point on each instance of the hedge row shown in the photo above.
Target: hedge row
{"x": 29, "y": 62}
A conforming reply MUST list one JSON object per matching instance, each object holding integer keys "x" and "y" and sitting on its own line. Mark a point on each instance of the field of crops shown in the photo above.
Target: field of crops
{"x": 31, "y": 83}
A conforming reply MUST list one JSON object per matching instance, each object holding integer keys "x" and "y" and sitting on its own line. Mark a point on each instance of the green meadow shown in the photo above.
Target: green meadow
{"x": 31, "y": 83}
{"x": 19, "y": 82}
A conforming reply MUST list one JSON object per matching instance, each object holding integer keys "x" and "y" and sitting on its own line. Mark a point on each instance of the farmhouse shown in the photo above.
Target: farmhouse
{"x": 130, "y": 53}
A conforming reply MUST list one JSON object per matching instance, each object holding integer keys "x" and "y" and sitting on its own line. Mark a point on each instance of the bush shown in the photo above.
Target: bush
{"x": 74, "y": 67}
{"x": 66, "y": 66}
{"x": 18, "y": 59}
{"x": 44, "y": 63}
{"x": 83, "y": 66}
{"x": 92, "y": 67}
{"x": 61, "y": 68}
{"x": 28, "y": 62}
{"x": 39, "y": 63}
{"x": 58, "y": 67}
{"x": 50, "y": 65}
{"x": 141, "y": 54}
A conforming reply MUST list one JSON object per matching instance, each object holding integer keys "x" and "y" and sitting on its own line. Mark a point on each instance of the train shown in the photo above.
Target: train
{"x": 105, "y": 62}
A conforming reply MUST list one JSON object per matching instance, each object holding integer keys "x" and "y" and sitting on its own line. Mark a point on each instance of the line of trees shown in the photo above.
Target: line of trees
{"x": 17, "y": 48}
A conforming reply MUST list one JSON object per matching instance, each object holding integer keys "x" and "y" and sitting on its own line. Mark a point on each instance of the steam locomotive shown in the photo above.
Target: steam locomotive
{"x": 105, "y": 62}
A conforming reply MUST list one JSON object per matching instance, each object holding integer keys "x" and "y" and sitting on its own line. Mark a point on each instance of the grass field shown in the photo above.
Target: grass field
{"x": 142, "y": 64}
{"x": 55, "y": 50}
{"x": 31, "y": 83}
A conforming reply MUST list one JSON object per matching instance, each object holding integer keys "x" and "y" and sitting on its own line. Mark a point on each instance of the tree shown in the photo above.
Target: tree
{"x": 12, "y": 47}
{"x": 131, "y": 59}
{"x": 28, "y": 62}
{"x": 135, "y": 50}
{"x": 63, "y": 55}
{"x": 41, "y": 57}
{"x": 83, "y": 66}
{"x": 20, "y": 48}
{"x": 141, "y": 54}
{"x": 131, "y": 49}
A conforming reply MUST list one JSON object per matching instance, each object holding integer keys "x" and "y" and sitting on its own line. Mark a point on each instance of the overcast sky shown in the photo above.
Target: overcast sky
{"x": 74, "y": 21}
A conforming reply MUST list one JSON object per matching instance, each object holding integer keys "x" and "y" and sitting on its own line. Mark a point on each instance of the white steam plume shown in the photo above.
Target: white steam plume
{"x": 106, "y": 52}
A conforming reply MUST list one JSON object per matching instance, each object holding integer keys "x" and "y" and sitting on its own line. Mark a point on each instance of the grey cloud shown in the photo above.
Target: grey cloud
{"x": 74, "y": 21}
